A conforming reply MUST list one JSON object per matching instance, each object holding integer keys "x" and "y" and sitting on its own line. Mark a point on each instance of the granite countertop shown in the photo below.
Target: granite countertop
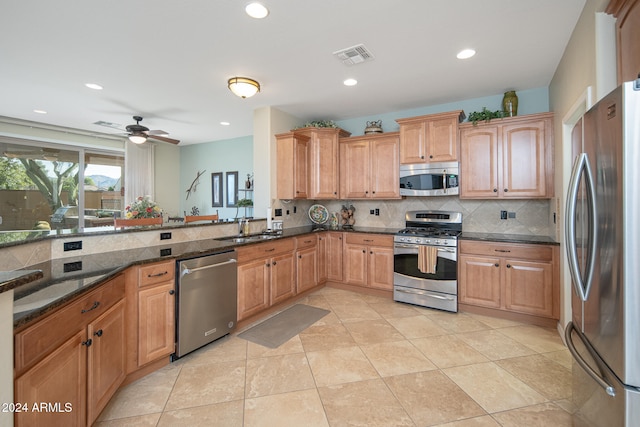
{"x": 14, "y": 279}
{"x": 509, "y": 238}
{"x": 54, "y": 285}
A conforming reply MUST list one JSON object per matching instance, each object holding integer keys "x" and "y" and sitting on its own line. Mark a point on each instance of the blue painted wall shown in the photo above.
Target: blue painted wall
{"x": 529, "y": 102}
{"x": 219, "y": 156}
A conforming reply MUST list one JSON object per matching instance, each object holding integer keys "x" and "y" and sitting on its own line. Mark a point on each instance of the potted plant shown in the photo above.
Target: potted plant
{"x": 485, "y": 115}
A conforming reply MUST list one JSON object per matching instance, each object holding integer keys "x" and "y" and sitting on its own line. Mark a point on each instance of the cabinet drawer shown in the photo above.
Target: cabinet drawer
{"x": 159, "y": 272}
{"x": 38, "y": 340}
{"x": 369, "y": 239}
{"x": 306, "y": 241}
{"x": 507, "y": 250}
{"x": 266, "y": 249}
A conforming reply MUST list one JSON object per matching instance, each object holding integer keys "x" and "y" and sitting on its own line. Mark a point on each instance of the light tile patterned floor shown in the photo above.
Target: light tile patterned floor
{"x": 370, "y": 362}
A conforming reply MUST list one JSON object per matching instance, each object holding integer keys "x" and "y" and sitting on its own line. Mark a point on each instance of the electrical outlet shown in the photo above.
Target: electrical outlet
{"x": 371, "y": 212}
{"x": 512, "y": 214}
{"x": 503, "y": 214}
{"x": 377, "y": 212}
{"x": 295, "y": 209}
{"x": 72, "y": 246}
{"x": 278, "y": 212}
{"x": 287, "y": 211}
{"x": 165, "y": 236}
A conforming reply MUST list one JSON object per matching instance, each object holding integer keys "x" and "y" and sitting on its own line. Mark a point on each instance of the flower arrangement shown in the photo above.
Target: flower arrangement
{"x": 143, "y": 207}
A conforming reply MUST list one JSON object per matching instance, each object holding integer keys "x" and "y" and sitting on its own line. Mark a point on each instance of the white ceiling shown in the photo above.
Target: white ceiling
{"x": 169, "y": 61}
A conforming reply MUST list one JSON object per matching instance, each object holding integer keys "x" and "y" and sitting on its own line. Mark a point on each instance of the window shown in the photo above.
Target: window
{"x": 39, "y": 186}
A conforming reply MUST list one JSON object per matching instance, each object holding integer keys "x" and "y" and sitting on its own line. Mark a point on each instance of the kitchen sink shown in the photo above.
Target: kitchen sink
{"x": 246, "y": 239}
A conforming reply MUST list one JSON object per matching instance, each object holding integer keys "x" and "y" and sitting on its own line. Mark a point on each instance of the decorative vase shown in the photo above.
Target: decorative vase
{"x": 510, "y": 103}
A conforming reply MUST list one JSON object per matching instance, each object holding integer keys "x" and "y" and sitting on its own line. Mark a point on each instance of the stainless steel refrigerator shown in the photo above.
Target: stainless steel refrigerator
{"x": 603, "y": 248}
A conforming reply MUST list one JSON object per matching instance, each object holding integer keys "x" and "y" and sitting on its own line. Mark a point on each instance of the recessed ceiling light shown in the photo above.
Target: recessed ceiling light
{"x": 225, "y": 123}
{"x": 465, "y": 54}
{"x": 256, "y": 10}
{"x": 40, "y": 111}
{"x": 94, "y": 86}
{"x": 350, "y": 82}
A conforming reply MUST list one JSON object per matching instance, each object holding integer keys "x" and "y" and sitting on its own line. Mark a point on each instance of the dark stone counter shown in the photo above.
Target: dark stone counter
{"x": 61, "y": 280}
{"x": 13, "y": 279}
{"x": 509, "y": 238}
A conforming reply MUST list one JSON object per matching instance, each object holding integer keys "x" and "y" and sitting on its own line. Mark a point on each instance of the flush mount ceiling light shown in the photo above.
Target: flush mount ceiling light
{"x": 256, "y": 10}
{"x": 244, "y": 87}
{"x": 465, "y": 54}
{"x": 350, "y": 82}
{"x": 40, "y": 111}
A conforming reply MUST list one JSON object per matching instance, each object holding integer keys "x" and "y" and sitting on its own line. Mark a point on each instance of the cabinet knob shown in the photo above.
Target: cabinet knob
{"x": 171, "y": 292}
{"x": 98, "y": 333}
{"x": 496, "y": 264}
{"x": 508, "y": 265}
{"x": 422, "y": 157}
{"x": 364, "y": 251}
{"x": 274, "y": 263}
{"x": 495, "y": 190}
{"x": 371, "y": 252}
{"x": 506, "y": 190}
{"x": 431, "y": 157}
{"x": 268, "y": 265}
{"x": 87, "y": 342}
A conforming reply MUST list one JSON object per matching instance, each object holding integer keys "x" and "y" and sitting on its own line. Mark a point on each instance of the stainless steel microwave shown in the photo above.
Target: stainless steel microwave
{"x": 429, "y": 179}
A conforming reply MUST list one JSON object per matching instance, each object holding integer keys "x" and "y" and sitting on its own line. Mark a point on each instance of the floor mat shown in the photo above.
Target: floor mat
{"x": 280, "y": 328}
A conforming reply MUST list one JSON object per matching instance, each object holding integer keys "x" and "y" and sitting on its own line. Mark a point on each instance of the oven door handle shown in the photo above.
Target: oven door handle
{"x": 426, "y": 294}
{"x": 440, "y": 248}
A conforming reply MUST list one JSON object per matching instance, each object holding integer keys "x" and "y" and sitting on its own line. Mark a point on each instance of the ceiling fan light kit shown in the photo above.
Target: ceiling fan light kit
{"x": 138, "y": 138}
{"x": 139, "y": 134}
{"x": 243, "y": 87}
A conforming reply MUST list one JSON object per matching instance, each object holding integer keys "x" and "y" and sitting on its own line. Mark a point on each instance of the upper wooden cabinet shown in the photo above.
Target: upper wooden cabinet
{"x": 627, "y": 13}
{"x": 292, "y": 162}
{"x": 369, "y": 167}
{"x": 322, "y": 160}
{"x": 308, "y": 163}
{"x": 430, "y": 138}
{"x": 507, "y": 158}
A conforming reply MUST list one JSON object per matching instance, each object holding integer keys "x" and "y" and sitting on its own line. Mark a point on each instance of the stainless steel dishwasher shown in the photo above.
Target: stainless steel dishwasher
{"x": 207, "y": 300}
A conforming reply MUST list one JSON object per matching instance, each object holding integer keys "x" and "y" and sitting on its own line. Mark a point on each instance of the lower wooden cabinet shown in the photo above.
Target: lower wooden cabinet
{"x": 306, "y": 263}
{"x": 368, "y": 260}
{"x": 511, "y": 277}
{"x": 266, "y": 276}
{"x": 84, "y": 368}
{"x": 156, "y": 322}
{"x": 334, "y": 255}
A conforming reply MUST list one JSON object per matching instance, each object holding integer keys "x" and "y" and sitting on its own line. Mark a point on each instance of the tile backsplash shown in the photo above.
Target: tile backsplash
{"x": 532, "y": 217}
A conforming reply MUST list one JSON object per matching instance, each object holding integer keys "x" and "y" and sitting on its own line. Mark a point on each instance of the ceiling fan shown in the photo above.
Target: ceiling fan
{"x": 138, "y": 134}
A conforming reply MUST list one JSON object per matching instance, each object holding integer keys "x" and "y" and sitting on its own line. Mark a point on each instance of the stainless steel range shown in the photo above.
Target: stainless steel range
{"x": 426, "y": 258}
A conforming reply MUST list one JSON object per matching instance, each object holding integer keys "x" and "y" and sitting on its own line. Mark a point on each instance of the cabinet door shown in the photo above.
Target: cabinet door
{"x": 354, "y": 170}
{"x": 385, "y": 169}
{"x": 412, "y": 143}
{"x": 156, "y": 322}
{"x": 283, "y": 285}
{"x": 523, "y": 160}
{"x": 60, "y": 378}
{"x": 479, "y": 163}
{"x": 529, "y": 287}
{"x": 323, "y": 165}
{"x": 334, "y": 256}
{"x": 355, "y": 264}
{"x": 106, "y": 367}
{"x": 306, "y": 269}
{"x": 442, "y": 140}
{"x": 322, "y": 257}
{"x": 253, "y": 287}
{"x": 300, "y": 183}
{"x": 479, "y": 281}
{"x": 380, "y": 271}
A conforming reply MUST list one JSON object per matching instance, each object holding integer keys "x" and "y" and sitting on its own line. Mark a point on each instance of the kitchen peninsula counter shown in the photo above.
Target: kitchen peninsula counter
{"x": 56, "y": 287}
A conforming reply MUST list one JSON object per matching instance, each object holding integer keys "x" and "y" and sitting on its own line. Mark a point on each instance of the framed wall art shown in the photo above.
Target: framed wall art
{"x": 217, "y": 198}
{"x": 232, "y": 189}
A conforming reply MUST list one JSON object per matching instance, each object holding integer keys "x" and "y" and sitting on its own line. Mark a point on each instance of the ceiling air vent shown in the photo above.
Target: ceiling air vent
{"x": 108, "y": 124}
{"x": 354, "y": 55}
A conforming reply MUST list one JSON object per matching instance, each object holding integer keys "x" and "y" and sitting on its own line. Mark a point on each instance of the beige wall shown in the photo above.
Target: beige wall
{"x": 585, "y": 65}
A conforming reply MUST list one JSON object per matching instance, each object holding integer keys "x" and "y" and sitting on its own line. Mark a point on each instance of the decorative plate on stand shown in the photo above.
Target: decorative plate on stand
{"x": 318, "y": 214}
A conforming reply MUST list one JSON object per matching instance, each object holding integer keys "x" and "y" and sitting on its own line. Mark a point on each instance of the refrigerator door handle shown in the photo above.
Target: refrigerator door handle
{"x": 611, "y": 391}
{"x": 581, "y": 166}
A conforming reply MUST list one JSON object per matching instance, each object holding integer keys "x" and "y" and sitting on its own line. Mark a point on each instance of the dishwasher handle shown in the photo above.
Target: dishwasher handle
{"x": 187, "y": 270}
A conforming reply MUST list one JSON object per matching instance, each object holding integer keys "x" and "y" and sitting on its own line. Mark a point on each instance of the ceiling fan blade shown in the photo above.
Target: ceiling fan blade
{"x": 158, "y": 132}
{"x": 165, "y": 139}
